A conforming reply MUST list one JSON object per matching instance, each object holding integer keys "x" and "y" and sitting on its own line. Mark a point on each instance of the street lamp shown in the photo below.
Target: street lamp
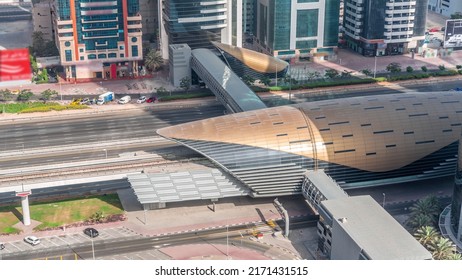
{"x": 375, "y": 65}
{"x": 92, "y": 244}
{"x": 383, "y": 202}
{"x": 105, "y": 151}
{"x": 60, "y": 90}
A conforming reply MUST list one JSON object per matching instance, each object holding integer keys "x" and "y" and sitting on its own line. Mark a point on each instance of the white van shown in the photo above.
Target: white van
{"x": 125, "y": 99}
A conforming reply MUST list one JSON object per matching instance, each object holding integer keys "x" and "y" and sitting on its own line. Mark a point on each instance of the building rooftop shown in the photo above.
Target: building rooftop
{"x": 378, "y": 234}
{"x": 328, "y": 187}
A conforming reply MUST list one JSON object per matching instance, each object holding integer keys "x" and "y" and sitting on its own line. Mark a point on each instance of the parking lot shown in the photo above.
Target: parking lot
{"x": 67, "y": 239}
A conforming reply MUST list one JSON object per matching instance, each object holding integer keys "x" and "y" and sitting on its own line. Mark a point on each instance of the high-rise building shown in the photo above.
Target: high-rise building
{"x": 384, "y": 27}
{"x": 98, "y": 39}
{"x": 198, "y": 23}
{"x": 445, "y": 7}
{"x": 296, "y": 28}
{"x": 149, "y": 14}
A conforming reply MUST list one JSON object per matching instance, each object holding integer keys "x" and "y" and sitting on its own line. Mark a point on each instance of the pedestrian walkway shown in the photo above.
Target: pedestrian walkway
{"x": 446, "y": 228}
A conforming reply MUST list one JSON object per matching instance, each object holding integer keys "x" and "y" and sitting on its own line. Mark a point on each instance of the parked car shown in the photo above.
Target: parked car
{"x": 32, "y": 240}
{"x": 435, "y": 29}
{"x": 91, "y": 232}
{"x": 85, "y": 101}
{"x": 2, "y": 246}
{"x": 142, "y": 99}
{"x": 76, "y": 101}
{"x": 125, "y": 99}
{"x": 151, "y": 100}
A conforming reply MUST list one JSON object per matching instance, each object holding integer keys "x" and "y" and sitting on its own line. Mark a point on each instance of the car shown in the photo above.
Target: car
{"x": 435, "y": 29}
{"x": 85, "y": 101}
{"x": 142, "y": 99}
{"x": 32, "y": 240}
{"x": 124, "y": 100}
{"x": 91, "y": 232}
{"x": 151, "y": 100}
{"x": 2, "y": 246}
{"x": 76, "y": 101}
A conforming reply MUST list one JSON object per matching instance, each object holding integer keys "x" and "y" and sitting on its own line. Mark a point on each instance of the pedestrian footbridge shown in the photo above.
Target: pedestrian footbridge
{"x": 230, "y": 90}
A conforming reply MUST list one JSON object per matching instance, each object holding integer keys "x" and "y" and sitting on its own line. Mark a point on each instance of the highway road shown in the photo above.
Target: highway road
{"x": 237, "y": 236}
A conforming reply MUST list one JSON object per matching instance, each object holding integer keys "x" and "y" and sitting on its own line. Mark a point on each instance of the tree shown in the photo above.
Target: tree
{"x": 426, "y": 235}
{"x": 161, "y": 91}
{"x": 442, "y": 248}
{"x": 441, "y": 67}
{"x": 346, "y": 74}
{"x": 265, "y": 80}
{"x": 248, "y": 80}
{"x": 153, "y": 60}
{"x": 420, "y": 220}
{"x": 5, "y": 94}
{"x": 454, "y": 257}
{"x": 394, "y": 67}
{"x": 409, "y": 69}
{"x": 367, "y": 72}
{"x": 185, "y": 83}
{"x": 48, "y": 94}
{"x": 24, "y": 95}
{"x": 424, "y": 68}
{"x": 331, "y": 73}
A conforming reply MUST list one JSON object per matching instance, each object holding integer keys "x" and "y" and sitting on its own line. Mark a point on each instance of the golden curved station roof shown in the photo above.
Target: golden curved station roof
{"x": 257, "y": 61}
{"x": 374, "y": 133}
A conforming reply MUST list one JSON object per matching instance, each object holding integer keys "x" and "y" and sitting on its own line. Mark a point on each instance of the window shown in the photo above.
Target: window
{"x": 134, "y": 51}
{"x": 307, "y": 23}
{"x": 68, "y": 55}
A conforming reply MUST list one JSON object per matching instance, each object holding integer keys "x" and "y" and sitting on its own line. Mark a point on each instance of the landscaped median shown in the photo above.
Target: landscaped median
{"x": 70, "y": 212}
{"x": 33, "y": 107}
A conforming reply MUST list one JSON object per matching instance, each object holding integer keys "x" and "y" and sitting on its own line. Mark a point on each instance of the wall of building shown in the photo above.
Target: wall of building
{"x": 291, "y": 28}
{"x": 343, "y": 246}
{"x": 43, "y": 21}
{"x": 89, "y": 34}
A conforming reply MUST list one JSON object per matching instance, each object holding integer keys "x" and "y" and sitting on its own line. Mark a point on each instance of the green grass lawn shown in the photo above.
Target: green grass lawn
{"x": 58, "y": 213}
{"x": 31, "y": 107}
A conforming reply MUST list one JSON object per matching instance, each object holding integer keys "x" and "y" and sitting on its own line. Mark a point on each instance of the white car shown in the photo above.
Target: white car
{"x": 32, "y": 240}
{"x": 142, "y": 99}
{"x": 125, "y": 99}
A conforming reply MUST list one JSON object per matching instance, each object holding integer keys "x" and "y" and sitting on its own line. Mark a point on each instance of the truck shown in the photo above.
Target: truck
{"x": 105, "y": 97}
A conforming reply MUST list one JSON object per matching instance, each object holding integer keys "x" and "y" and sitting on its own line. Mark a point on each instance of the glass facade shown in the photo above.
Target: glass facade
{"x": 374, "y": 19}
{"x": 194, "y": 22}
{"x": 420, "y": 17}
{"x": 308, "y": 44}
{"x": 307, "y": 23}
{"x": 282, "y": 14}
{"x": 331, "y": 22}
{"x": 457, "y": 194}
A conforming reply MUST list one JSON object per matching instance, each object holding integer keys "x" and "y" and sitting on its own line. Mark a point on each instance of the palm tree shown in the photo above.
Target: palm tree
{"x": 441, "y": 248}
{"x": 426, "y": 235}
{"x": 153, "y": 60}
{"x": 454, "y": 257}
{"x": 420, "y": 220}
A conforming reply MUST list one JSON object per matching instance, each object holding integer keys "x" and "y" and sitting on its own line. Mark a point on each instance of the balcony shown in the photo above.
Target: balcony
{"x": 100, "y": 20}
{"x": 137, "y": 25}
{"x": 100, "y": 28}
{"x": 397, "y": 33}
{"x": 99, "y": 37}
{"x": 133, "y": 18}
{"x": 63, "y": 22}
{"x": 65, "y": 30}
{"x": 99, "y": 12}
{"x": 355, "y": 8}
{"x": 403, "y": 3}
{"x": 98, "y": 4}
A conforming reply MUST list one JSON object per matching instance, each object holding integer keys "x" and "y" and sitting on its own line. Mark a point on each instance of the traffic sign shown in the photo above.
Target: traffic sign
{"x": 23, "y": 194}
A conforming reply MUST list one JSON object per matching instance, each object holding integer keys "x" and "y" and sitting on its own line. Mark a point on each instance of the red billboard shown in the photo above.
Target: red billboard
{"x": 15, "y": 65}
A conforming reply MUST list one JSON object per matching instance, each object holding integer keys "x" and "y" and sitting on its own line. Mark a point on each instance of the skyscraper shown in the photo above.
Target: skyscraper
{"x": 296, "y": 28}
{"x": 384, "y": 27}
{"x": 198, "y": 23}
{"x": 98, "y": 38}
